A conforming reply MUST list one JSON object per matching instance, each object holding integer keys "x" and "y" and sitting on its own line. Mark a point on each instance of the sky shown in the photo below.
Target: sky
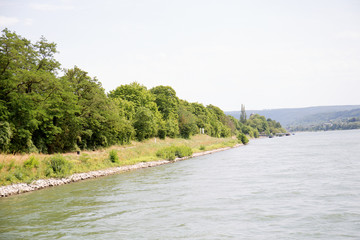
{"x": 264, "y": 54}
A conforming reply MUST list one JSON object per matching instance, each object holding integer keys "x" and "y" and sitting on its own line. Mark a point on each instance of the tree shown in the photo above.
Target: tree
{"x": 258, "y": 122}
{"x": 219, "y": 121}
{"x": 243, "y": 114}
{"x": 187, "y": 123}
{"x": 166, "y": 100}
{"x": 5, "y": 136}
{"x": 137, "y": 94}
{"x": 172, "y": 125}
{"x": 28, "y": 83}
{"x": 98, "y": 116}
{"x": 145, "y": 125}
{"x": 233, "y": 124}
{"x": 135, "y": 97}
{"x": 43, "y": 112}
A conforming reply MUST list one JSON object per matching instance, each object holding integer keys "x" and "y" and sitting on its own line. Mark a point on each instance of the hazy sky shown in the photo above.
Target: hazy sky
{"x": 264, "y": 54}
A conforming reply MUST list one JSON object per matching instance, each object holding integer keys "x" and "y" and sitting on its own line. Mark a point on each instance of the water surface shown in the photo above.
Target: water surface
{"x": 305, "y": 186}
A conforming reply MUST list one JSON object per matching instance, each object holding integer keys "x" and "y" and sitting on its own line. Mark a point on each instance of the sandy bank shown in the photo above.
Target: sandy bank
{"x": 43, "y": 183}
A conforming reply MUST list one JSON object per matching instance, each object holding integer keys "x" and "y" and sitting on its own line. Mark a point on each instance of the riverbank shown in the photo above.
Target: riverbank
{"x": 19, "y": 188}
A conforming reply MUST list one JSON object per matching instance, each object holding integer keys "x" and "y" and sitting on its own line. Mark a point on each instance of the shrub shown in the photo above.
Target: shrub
{"x": 32, "y": 162}
{"x": 170, "y": 153}
{"x": 167, "y": 153}
{"x": 162, "y": 133}
{"x": 59, "y": 166}
{"x": 256, "y": 133}
{"x": 113, "y": 156}
{"x": 19, "y": 174}
{"x": 202, "y": 147}
{"x": 183, "y": 151}
{"x": 242, "y": 138}
{"x": 49, "y": 171}
{"x": 10, "y": 177}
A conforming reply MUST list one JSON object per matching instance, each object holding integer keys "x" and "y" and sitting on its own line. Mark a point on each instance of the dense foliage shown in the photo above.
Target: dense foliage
{"x": 242, "y": 138}
{"x": 46, "y": 109}
{"x": 255, "y": 126}
{"x": 264, "y": 126}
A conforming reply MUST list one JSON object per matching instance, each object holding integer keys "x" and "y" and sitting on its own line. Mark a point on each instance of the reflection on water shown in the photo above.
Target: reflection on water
{"x": 300, "y": 187}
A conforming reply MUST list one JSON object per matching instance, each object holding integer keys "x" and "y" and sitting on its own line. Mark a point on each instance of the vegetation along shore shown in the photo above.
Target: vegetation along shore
{"x": 58, "y": 122}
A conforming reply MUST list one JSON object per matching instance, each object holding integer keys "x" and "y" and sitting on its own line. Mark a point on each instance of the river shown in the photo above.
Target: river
{"x": 305, "y": 186}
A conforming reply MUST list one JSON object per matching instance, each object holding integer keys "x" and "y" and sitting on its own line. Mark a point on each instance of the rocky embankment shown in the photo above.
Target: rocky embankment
{"x": 43, "y": 183}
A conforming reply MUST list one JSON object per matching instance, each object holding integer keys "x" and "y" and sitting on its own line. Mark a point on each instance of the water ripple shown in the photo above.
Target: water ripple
{"x": 301, "y": 187}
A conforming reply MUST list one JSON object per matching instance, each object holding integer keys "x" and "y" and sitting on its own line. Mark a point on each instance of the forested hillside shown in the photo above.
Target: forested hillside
{"x": 341, "y": 120}
{"x": 47, "y": 109}
{"x": 298, "y": 116}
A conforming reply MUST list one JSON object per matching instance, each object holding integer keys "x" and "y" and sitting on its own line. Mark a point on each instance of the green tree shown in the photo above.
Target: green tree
{"x": 145, "y": 124}
{"x": 172, "y": 125}
{"x": 40, "y": 111}
{"x": 5, "y": 136}
{"x": 243, "y": 114}
{"x": 28, "y": 81}
{"x": 219, "y": 121}
{"x": 98, "y": 116}
{"x": 135, "y": 97}
{"x": 258, "y": 122}
{"x": 137, "y": 94}
{"x": 187, "y": 123}
{"x": 166, "y": 100}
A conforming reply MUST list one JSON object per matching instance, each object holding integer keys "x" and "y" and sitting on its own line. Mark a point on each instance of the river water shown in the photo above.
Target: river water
{"x": 305, "y": 186}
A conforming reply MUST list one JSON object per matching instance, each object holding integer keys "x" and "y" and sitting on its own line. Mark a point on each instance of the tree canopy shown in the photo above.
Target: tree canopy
{"x": 44, "y": 108}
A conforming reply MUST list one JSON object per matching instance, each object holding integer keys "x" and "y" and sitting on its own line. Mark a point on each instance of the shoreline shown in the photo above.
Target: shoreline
{"x": 19, "y": 188}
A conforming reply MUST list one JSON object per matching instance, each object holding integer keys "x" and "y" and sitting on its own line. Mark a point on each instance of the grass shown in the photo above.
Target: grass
{"x": 28, "y": 167}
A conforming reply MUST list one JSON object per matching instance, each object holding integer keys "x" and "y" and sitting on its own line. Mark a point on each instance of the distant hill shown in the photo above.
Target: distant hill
{"x": 341, "y": 120}
{"x": 299, "y": 116}
{"x": 329, "y": 116}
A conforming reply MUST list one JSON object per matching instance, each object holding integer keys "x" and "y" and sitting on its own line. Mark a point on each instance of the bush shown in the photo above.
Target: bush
{"x": 170, "y": 153}
{"x": 183, "y": 151}
{"x": 166, "y": 153}
{"x": 242, "y": 138}
{"x": 19, "y": 174}
{"x": 202, "y": 147}
{"x": 162, "y": 133}
{"x": 58, "y": 166}
{"x": 256, "y": 133}
{"x": 10, "y": 178}
{"x": 113, "y": 156}
{"x": 32, "y": 162}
